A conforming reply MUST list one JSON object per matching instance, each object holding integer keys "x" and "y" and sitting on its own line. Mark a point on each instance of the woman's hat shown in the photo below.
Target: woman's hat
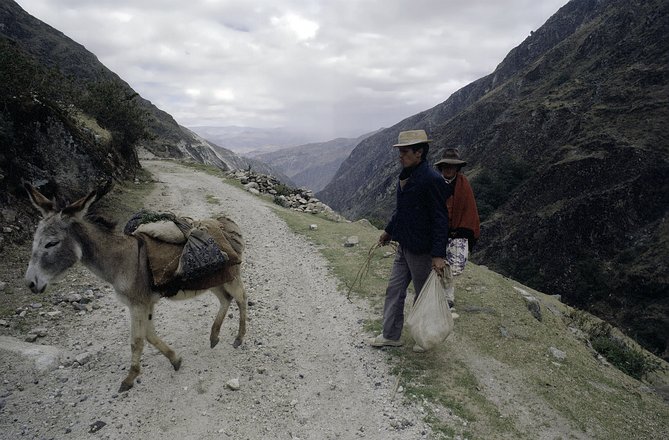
{"x": 411, "y": 137}
{"x": 451, "y": 157}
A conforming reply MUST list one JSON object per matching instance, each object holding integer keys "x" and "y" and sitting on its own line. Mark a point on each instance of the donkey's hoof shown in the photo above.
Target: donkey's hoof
{"x": 237, "y": 343}
{"x": 177, "y": 364}
{"x": 124, "y": 387}
{"x": 213, "y": 343}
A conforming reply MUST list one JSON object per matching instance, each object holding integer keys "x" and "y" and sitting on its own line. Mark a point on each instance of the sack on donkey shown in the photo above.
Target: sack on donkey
{"x": 193, "y": 253}
{"x": 200, "y": 257}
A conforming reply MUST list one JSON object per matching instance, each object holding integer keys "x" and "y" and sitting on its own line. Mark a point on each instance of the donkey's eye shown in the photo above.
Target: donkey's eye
{"x": 51, "y": 244}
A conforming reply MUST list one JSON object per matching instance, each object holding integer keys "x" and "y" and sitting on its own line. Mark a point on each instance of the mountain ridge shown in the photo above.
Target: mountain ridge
{"x": 251, "y": 141}
{"x": 314, "y": 164}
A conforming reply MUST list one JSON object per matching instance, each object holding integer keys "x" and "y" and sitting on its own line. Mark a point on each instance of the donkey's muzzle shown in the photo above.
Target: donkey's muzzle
{"x": 34, "y": 288}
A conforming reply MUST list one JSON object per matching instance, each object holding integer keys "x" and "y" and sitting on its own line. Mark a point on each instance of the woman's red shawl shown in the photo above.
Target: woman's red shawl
{"x": 462, "y": 211}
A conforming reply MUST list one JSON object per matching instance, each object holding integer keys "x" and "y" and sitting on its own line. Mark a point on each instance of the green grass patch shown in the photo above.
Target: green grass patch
{"x": 126, "y": 198}
{"x": 212, "y": 199}
{"x": 90, "y": 123}
{"x": 6, "y": 309}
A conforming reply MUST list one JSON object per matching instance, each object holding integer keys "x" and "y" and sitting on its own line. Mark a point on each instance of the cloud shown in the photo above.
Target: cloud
{"x": 302, "y": 28}
{"x": 331, "y": 68}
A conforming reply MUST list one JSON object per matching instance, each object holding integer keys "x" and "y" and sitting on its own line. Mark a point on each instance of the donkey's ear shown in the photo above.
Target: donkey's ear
{"x": 44, "y": 205}
{"x": 80, "y": 207}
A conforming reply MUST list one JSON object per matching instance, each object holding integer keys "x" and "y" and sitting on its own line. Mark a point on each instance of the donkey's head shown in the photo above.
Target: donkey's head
{"x": 55, "y": 246}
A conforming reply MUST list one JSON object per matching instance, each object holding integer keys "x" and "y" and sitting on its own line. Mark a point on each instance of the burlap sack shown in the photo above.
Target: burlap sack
{"x": 164, "y": 230}
{"x": 163, "y": 258}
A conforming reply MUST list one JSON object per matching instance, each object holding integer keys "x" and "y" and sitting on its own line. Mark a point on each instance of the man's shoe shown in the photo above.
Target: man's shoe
{"x": 418, "y": 349}
{"x": 380, "y": 341}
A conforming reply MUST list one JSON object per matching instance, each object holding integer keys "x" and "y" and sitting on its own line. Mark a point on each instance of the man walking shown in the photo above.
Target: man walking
{"x": 420, "y": 225}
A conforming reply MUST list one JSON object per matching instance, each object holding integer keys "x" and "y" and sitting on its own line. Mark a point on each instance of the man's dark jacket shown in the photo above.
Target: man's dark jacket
{"x": 420, "y": 220}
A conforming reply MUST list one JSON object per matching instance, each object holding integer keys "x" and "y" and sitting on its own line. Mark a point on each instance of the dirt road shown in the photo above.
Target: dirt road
{"x": 304, "y": 370}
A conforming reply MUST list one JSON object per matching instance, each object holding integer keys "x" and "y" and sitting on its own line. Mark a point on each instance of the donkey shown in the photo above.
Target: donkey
{"x": 66, "y": 236}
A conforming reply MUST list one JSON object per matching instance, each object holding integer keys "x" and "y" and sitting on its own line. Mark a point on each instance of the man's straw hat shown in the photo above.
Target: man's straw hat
{"x": 411, "y": 137}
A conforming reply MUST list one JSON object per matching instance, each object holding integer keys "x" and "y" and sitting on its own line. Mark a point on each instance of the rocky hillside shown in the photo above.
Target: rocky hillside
{"x": 567, "y": 146}
{"x": 45, "y": 121}
{"x": 312, "y": 165}
{"x": 206, "y": 152}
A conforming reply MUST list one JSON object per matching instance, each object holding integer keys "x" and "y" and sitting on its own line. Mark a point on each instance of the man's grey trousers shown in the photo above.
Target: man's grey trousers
{"x": 407, "y": 267}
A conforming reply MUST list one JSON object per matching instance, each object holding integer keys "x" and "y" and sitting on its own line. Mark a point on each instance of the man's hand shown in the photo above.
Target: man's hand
{"x": 384, "y": 239}
{"x": 438, "y": 264}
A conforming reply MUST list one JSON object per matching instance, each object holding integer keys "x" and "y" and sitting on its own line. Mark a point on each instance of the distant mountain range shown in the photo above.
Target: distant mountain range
{"x": 312, "y": 165}
{"x": 284, "y": 153}
{"x": 251, "y": 141}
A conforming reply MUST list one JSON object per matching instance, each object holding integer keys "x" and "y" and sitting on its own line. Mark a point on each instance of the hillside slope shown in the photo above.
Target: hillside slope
{"x": 312, "y": 165}
{"x": 54, "y": 50}
{"x": 568, "y": 153}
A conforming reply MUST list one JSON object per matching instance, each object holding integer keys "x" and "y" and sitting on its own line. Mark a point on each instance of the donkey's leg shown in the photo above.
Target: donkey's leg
{"x": 224, "y": 298}
{"x": 138, "y": 320}
{"x": 235, "y": 288}
{"x": 165, "y": 349}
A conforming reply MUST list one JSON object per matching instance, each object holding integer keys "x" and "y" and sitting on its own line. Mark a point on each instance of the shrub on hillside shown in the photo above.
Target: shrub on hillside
{"x": 113, "y": 105}
{"x": 629, "y": 360}
{"x": 617, "y": 352}
{"x": 23, "y": 78}
{"x": 283, "y": 190}
{"x": 493, "y": 187}
{"x": 115, "y": 109}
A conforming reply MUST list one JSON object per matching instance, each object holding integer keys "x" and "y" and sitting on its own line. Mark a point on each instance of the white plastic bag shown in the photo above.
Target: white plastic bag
{"x": 430, "y": 320}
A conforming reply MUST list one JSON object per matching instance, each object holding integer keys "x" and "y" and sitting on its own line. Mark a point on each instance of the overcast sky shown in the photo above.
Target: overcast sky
{"x": 332, "y": 68}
